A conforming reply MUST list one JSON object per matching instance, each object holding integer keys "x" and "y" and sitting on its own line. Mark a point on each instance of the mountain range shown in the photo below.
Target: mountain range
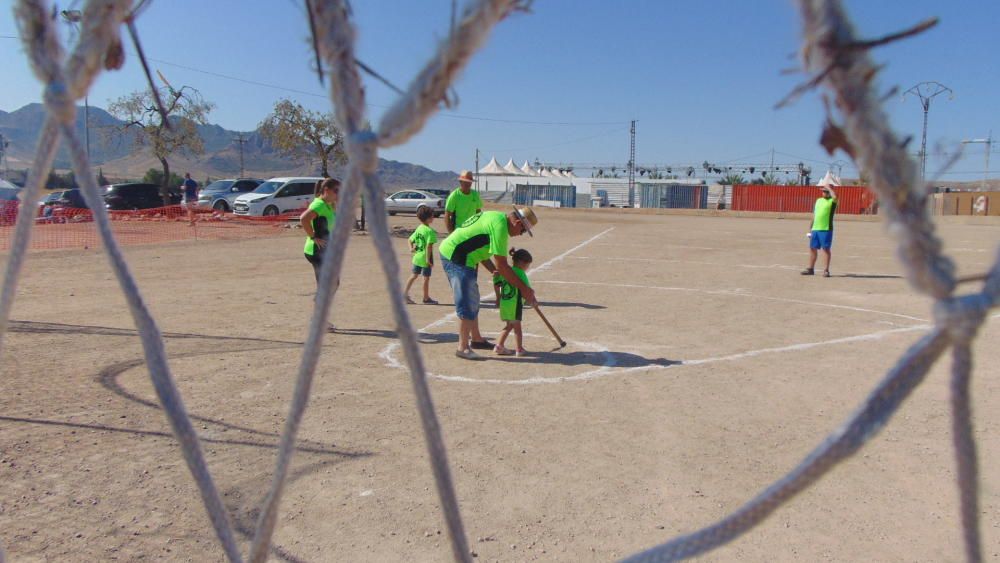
{"x": 120, "y": 158}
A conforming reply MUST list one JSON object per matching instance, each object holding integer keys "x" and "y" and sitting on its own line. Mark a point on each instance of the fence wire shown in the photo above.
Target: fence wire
{"x": 830, "y": 50}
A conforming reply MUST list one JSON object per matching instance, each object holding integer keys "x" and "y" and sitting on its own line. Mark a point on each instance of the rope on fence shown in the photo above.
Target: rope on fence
{"x": 65, "y": 84}
{"x": 830, "y": 51}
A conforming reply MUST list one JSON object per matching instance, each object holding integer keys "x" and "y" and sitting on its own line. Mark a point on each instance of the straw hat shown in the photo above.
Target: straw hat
{"x": 466, "y": 176}
{"x": 527, "y": 217}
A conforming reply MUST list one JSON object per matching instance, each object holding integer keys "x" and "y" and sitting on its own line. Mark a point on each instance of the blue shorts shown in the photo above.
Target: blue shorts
{"x": 821, "y": 239}
{"x": 465, "y": 287}
{"x": 422, "y": 270}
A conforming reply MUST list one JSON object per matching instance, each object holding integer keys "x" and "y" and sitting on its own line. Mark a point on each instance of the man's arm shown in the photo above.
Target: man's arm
{"x": 449, "y": 218}
{"x": 504, "y": 269}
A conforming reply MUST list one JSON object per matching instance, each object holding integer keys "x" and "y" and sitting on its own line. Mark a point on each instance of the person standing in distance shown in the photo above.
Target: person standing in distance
{"x": 317, "y": 222}
{"x": 462, "y": 203}
{"x": 821, "y": 232}
{"x": 482, "y": 239}
{"x": 190, "y": 188}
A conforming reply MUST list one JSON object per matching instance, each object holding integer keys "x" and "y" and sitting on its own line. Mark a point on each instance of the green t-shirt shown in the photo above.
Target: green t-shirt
{"x": 823, "y": 214}
{"x": 463, "y": 206}
{"x": 421, "y": 238}
{"x": 511, "y": 300}
{"x": 483, "y": 235}
{"x": 322, "y": 224}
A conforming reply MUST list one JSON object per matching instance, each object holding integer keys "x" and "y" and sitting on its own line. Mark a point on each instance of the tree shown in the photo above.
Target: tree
{"x": 732, "y": 178}
{"x": 185, "y": 110}
{"x": 771, "y": 179}
{"x": 154, "y": 176}
{"x": 304, "y": 134}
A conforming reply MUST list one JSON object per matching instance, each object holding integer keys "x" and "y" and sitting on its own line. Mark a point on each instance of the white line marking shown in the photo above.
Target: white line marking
{"x": 675, "y": 260}
{"x": 739, "y": 293}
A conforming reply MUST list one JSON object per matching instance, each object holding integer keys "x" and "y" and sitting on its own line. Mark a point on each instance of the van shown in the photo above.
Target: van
{"x": 277, "y": 196}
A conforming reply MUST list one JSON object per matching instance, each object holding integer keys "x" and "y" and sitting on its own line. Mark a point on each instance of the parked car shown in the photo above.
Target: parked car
{"x": 441, "y": 193}
{"x": 277, "y": 196}
{"x": 409, "y": 201}
{"x": 72, "y": 199}
{"x": 220, "y": 194}
{"x": 118, "y": 197}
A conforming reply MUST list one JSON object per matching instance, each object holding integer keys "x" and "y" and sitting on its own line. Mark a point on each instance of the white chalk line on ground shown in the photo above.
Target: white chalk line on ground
{"x": 740, "y": 294}
{"x": 387, "y": 354}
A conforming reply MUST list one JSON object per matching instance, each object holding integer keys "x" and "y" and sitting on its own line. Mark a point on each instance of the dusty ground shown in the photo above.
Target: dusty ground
{"x": 590, "y": 453}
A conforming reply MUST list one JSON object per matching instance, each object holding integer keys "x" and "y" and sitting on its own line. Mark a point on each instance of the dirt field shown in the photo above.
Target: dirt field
{"x": 700, "y": 368}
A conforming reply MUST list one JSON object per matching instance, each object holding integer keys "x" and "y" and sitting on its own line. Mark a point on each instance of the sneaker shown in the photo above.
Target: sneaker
{"x": 430, "y": 301}
{"x": 826, "y": 273}
{"x": 410, "y": 301}
{"x": 807, "y": 272}
{"x": 481, "y": 345}
{"x": 468, "y": 355}
{"x": 521, "y": 353}
{"x": 501, "y": 351}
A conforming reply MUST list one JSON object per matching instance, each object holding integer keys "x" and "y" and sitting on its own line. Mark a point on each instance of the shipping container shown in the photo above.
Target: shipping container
{"x": 851, "y": 200}
{"x": 528, "y": 194}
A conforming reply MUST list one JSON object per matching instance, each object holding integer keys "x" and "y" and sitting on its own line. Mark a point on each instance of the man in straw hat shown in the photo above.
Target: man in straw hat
{"x": 462, "y": 203}
{"x": 821, "y": 232}
{"x": 481, "y": 238}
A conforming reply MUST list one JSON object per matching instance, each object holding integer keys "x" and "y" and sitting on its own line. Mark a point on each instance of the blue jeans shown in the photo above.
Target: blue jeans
{"x": 465, "y": 287}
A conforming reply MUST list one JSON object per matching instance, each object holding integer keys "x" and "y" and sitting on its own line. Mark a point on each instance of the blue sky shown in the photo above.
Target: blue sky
{"x": 561, "y": 84}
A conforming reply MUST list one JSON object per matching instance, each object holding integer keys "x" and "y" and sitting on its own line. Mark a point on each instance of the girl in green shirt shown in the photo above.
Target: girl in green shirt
{"x": 512, "y": 304}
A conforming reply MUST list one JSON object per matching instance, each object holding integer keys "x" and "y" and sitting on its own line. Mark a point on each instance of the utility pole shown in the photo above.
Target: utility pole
{"x": 477, "y": 170}
{"x": 926, "y": 91}
{"x": 242, "y": 141}
{"x": 631, "y": 167}
{"x": 988, "y": 141}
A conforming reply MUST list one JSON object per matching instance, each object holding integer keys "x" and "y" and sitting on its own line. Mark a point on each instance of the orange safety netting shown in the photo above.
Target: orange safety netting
{"x": 61, "y": 227}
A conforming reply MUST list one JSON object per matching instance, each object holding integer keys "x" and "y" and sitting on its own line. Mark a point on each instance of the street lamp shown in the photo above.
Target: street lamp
{"x": 73, "y": 18}
{"x": 926, "y": 91}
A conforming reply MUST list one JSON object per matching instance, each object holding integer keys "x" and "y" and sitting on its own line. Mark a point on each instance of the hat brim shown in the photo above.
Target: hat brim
{"x": 524, "y": 222}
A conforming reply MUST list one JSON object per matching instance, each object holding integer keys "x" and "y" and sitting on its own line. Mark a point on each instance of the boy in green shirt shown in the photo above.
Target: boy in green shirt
{"x": 422, "y": 246}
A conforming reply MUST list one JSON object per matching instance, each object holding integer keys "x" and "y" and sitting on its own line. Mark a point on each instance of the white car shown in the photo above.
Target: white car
{"x": 409, "y": 201}
{"x": 277, "y": 196}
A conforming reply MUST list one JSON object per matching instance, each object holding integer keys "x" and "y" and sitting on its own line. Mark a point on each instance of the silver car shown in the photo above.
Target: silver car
{"x": 409, "y": 201}
{"x": 221, "y": 194}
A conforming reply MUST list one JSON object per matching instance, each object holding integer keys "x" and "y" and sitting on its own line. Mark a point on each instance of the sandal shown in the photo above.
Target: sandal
{"x": 430, "y": 301}
{"x": 826, "y": 273}
{"x": 410, "y": 301}
{"x": 501, "y": 351}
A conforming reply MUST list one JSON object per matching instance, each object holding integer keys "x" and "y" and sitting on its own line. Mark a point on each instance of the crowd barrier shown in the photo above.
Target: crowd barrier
{"x": 61, "y": 227}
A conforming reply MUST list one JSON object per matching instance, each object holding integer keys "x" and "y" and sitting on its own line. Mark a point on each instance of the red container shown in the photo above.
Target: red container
{"x": 853, "y": 200}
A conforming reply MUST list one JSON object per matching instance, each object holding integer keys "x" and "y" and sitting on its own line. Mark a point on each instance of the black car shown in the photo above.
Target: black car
{"x": 69, "y": 198}
{"x": 119, "y": 197}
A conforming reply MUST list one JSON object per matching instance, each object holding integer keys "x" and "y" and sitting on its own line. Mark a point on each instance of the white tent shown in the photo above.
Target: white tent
{"x": 829, "y": 180}
{"x": 528, "y": 170}
{"x": 546, "y": 172}
{"x": 570, "y": 174}
{"x": 512, "y": 169}
{"x": 492, "y": 168}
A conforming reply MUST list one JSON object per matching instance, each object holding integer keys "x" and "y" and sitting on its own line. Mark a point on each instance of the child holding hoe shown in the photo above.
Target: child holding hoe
{"x": 422, "y": 246}
{"x": 512, "y": 304}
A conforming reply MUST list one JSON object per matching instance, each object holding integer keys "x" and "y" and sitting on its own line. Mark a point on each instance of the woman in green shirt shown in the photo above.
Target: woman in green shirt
{"x": 317, "y": 222}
